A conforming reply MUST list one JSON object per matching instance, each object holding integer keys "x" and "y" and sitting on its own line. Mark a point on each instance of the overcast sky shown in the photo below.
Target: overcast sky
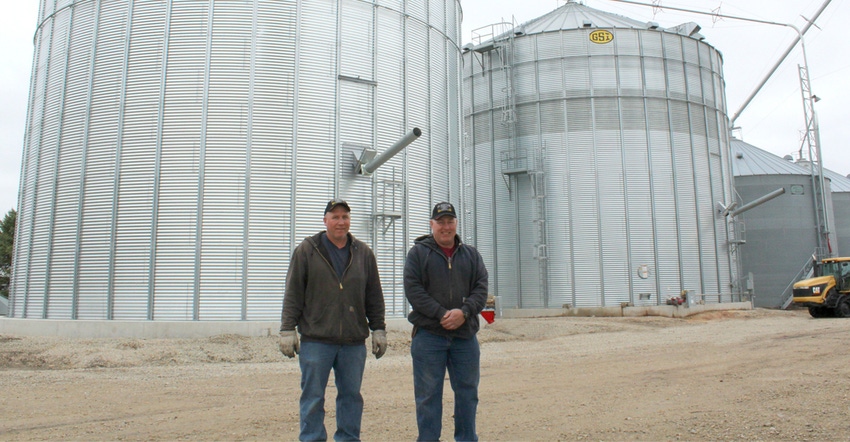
{"x": 773, "y": 121}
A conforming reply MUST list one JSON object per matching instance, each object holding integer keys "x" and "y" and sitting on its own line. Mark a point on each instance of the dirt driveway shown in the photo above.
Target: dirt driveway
{"x": 742, "y": 375}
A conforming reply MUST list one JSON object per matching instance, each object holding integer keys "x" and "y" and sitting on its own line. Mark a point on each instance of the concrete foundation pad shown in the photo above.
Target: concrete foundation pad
{"x": 149, "y": 329}
{"x": 670, "y": 311}
{"x": 201, "y": 329}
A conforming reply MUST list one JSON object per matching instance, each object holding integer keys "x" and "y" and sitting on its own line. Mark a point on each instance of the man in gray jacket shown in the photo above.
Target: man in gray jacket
{"x": 334, "y": 297}
{"x": 446, "y": 284}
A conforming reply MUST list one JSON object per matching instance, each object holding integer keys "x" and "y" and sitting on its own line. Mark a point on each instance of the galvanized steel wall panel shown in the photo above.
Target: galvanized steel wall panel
{"x": 720, "y": 178}
{"x": 584, "y": 213}
{"x": 356, "y": 39}
{"x": 639, "y": 199}
{"x": 630, "y": 76}
{"x": 505, "y": 271}
{"x": 95, "y": 240}
{"x": 437, "y": 15}
{"x": 560, "y": 269}
{"x": 439, "y": 138}
{"x": 417, "y": 9}
{"x": 481, "y": 197}
{"x": 628, "y": 43}
{"x": 455, "y": 128}
{"x": 418, "y": 157}
{"x": 692, "y": 74}
{"x": 41, "y": 200}
{"x": 550, "y": 77}
{"x": 46, "y": 8}
{"x": 216, "y": 133}
{"x": 604, "y": 76}
{"x": 577, "y": 76}
{"x": 685, "y": 191}
{"x": 548, "y": 46}
{"x": 524, "y": 51}
{"x": 315, "y": 141}
{"x": 525, "y": 91}
{"x": 180, "y": 164}
{"x": 391, "y": 244}
{"x": 526, "y": 265}
{"x": 612, "y": 203}
{"x": 664, "y": 206}
{"x": 222, "y": 259}
{"x": 704, "y": 195}
{"x": 63, "y": 257}
{"x": 271, "y": 157}
{"x": 136, "y": 187}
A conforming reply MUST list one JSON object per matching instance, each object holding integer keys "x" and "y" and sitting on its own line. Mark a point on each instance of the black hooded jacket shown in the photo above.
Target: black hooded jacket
{"x": 435, "y": 284}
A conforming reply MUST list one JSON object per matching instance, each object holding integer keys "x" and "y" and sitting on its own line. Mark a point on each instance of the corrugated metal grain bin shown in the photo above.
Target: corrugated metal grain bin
{"x": 840, "y": 186}
{"x": 177, "y": 151}
{"x": 782, "y": 235}
{"x": 597, "y": 148}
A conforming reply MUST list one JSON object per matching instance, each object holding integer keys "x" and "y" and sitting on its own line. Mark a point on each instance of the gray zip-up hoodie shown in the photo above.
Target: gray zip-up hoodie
{"x": 325, "y": 307}
{"x": 435, "y": 283}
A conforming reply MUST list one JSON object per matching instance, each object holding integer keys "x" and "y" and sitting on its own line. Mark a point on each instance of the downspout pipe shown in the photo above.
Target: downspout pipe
{"x": 367, "y": 169}
{"x": 758, "y": 202}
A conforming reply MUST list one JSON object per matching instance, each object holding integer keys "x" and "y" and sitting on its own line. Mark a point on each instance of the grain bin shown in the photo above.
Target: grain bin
{"x": 177, "y": 151}
{"x": 840, "y": 187}
{"x": 782, "y": 236}
{"x": 596, "y": 151}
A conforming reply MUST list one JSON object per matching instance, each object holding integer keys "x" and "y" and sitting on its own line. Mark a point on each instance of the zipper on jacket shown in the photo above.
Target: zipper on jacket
{"x": 333, "y": 270}
{"x": 451, "y": 292}
{"x": 350, "y": 260}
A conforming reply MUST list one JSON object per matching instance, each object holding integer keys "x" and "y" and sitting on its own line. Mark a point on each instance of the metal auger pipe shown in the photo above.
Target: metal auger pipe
{"x": 758, "y": 202}
{"x": 373, "y": 165}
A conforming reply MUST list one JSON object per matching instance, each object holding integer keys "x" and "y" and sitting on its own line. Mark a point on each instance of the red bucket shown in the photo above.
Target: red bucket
{"x": 489, "y": 315}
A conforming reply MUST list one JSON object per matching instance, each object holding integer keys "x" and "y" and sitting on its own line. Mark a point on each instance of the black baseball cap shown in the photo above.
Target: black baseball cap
{"x": 443, "y": 209}
{"x": 336, "y": 202}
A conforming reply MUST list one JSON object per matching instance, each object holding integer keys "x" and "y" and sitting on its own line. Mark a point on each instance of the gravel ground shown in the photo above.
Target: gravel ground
{"x": 737, "y": 375}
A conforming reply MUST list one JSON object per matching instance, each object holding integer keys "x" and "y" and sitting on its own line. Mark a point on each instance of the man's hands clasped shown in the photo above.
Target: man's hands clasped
{"x": 289, "y": 345}
{"x": 453, "y": 319}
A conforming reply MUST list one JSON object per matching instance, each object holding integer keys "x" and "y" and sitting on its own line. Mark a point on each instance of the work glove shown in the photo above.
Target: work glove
{"x": 379, "y": 343}
{"x": 289, "y": 345}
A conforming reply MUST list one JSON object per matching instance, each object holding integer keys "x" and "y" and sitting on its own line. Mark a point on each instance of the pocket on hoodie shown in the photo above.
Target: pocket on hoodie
{"x": 315, "y": 313}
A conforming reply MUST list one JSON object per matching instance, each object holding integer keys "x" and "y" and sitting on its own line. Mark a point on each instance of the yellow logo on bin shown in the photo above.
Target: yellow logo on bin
{"x": 601, "y": 37}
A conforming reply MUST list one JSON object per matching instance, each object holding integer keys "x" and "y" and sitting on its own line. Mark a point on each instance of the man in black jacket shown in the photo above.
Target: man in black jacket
{"x": 334, "y": 297}
{"x": 446, "y": 284}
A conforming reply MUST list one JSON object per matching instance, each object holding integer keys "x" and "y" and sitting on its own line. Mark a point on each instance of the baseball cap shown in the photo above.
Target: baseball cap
{"x": 443, "y": 209}
{"x": 332, "y": 204}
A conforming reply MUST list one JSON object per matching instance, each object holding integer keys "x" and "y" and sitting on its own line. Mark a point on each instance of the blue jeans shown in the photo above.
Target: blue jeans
{"x": 348, "y": 362}
{"x": 432, "y": 356}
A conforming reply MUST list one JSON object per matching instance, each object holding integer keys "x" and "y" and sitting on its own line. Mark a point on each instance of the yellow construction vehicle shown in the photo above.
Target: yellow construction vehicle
{"x": 827, "y": 293}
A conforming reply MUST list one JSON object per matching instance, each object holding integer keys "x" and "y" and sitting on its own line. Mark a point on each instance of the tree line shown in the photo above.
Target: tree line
{"x": 7, "y": 241}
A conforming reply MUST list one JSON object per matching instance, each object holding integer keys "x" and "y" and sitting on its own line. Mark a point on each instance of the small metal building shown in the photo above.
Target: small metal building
{"x": 781, "y": 236}
{"x": 177, "y": 151}
{"x": 597, "y": 148}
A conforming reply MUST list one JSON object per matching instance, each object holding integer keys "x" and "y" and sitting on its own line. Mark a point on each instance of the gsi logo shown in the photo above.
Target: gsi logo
{"x": 601, "y": 36}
